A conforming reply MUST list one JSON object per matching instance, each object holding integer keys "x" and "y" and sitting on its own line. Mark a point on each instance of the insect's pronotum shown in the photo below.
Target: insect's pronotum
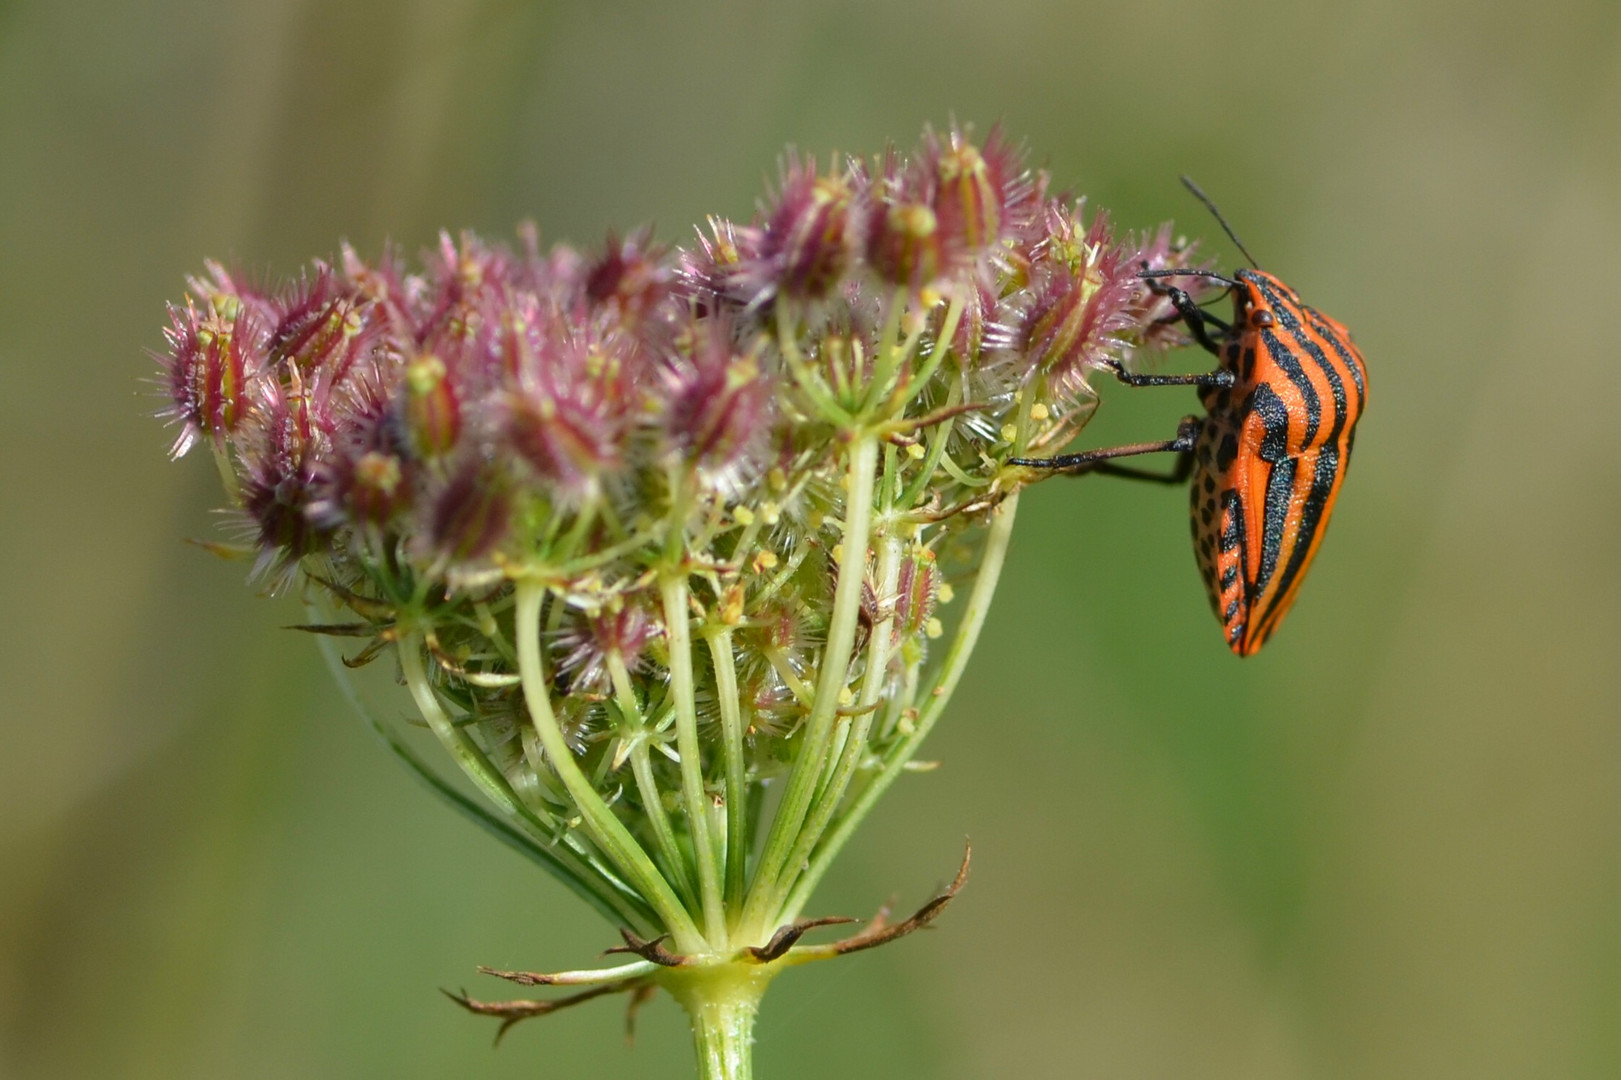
{"x": 1269, "y": 455}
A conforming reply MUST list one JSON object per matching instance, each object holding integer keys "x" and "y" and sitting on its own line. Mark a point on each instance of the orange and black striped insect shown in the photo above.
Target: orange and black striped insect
{"x": 1268, "y": 457}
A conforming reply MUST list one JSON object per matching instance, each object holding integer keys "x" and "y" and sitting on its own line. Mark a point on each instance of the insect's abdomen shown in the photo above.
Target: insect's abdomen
{"x": 1219, "y": 524}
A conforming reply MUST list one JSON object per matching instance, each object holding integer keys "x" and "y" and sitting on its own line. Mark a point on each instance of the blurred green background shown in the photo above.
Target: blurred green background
{"x": 1386, "y": 847}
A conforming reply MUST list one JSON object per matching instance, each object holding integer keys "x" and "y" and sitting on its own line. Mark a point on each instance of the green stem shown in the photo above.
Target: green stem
{"x": 890, "y": 355}
{"x": 731, "y": 729}
{"x": 721, "y": 1002}
{"x": 880, "y": 644}
{"x": 457, "y": 742}
{"x": 788, "y": 344}
{"x": 678, "y": 631}
{"x": 835, "y": 665}
{"x": 939, "y": 439}
{"x": 641, "y": 766}
{"x": 935, "y": 698}
{"x": 227, "y": 470}
{"x": 604, "y": 828}
{"x": 942, "y": 345}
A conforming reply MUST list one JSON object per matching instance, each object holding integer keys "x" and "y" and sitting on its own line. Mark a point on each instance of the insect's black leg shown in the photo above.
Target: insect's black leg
{"x": 1194, "y": 318}
{"x": 1098, "y": 460}
{"x": 1209, "y": 319}
{"x": 1220, "y": 378}
{"x": 1183, "y": 304}
{"x": 1176, "y": 477}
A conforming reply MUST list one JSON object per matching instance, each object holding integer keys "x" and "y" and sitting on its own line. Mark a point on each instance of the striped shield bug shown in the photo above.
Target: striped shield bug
{"x": 1269, "y": 455}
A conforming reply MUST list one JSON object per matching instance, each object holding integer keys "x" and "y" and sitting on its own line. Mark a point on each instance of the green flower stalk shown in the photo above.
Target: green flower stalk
{"x": 662, "y": 543}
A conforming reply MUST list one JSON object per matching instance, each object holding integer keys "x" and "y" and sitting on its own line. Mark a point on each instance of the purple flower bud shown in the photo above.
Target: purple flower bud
{"x": 951, "y": 212}
{"x": 1081, "y": 305}
{"x": 1161, "y": 325}
{"x": 981, "y": 197}
{"x": 708, "y": 276}
{"x": 807, "y": 242}
{"x": 978, "y": 315}
{"x": 280, "y": 453}
{"x": 916, "y": 591}
{"x": 213, "y": 354}
{"x": 430, "y": 407}
{"x": 621, "y": 629}
{"x": 470, "y": 515}
{"x": 376, "y": 486}
{"x": 718, "y": 403}
{"x": 567, "y": 415}
{"x": 904, "y": 244}
{"x": 631, "y": 279}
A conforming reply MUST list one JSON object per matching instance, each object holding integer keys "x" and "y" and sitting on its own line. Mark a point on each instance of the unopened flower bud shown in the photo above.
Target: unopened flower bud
{"x": 806, "y": 243}
{"x": 432, "y": 410}
{"x": 632, "y": 276}
{"x": 719, "y": 405}
{"x": 471, "y": 514}
{"x": 916, "y": 592}
{"x": 905, "y": 245}
{"x": 376, "y": 486}
{"x": 212, "y": 355}
{"x": 620, "y": 631}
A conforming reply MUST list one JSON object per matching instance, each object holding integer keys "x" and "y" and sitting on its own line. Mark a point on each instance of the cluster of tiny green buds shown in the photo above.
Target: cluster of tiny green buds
{"x": 648, "y": 532}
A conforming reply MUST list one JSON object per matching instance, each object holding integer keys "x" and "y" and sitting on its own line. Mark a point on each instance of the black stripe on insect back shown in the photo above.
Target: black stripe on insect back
{"x": 1336, "y": 385}
{"x": 1285, "y": 358}
{"x": 1327, "y": 333}
{"x": 1265, "y": 403}
{"x": 1232, "y": 533}
{"x": 1280, "y": 489}
{"x": 1324, "y": 476}
{"x": 1284, "y": 311}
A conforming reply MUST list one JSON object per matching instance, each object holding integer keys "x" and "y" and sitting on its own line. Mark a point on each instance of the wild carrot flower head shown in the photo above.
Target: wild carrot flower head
{"x": 649, "y": 530}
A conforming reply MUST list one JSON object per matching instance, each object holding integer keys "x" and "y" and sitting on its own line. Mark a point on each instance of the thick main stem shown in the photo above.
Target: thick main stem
{"x": 721, "y": 1002}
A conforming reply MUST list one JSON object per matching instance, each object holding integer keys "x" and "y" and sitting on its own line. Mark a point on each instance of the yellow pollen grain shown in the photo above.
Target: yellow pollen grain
{"x": 1010, "y": 432}
{"x": 743, "y": 515}
{"x": 765, "y": 560}
{"x": 945, "y": 594}
{"x": 915, "y": 451}
{"x": 838, "y": 553}
{"x": 845, "y": 696}
{"x": 933, "y": 629}
{"x": 770, "y": 513}
{"x": 1039, "y": 412}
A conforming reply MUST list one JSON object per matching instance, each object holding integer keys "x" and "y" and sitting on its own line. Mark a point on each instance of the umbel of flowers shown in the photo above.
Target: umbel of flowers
{"x": 662, "y": 542}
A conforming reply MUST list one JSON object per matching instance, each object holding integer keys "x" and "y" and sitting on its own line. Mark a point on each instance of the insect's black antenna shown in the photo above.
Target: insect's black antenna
{"x": 1226, "y": 228}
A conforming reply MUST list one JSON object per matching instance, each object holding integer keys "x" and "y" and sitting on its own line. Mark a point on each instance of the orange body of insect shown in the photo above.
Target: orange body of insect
{"x": 1268, "y": 458}
{"x": 1271, "y": 454}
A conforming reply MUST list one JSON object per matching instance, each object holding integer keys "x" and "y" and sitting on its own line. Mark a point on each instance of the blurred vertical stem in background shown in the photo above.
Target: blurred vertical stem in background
{"x": 663, "y": 543}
